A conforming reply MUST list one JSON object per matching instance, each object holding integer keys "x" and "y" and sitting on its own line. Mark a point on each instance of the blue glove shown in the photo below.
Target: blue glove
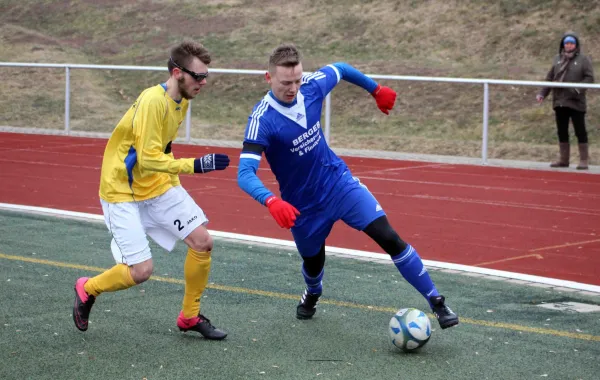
{"x": 210, "y": 162}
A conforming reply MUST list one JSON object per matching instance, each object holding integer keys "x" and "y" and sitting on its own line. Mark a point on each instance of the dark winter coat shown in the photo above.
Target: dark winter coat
{"x": 579, "y": 70}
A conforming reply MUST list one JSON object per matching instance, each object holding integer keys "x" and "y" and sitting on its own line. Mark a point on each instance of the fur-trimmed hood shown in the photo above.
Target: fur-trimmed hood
{"x": 571, "y": 33}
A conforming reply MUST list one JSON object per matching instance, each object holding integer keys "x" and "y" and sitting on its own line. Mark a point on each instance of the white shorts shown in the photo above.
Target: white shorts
{"x": 167, "y": 218}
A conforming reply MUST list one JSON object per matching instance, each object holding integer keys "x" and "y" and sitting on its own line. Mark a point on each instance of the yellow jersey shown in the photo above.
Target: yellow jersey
{"x": 138, "y": 163}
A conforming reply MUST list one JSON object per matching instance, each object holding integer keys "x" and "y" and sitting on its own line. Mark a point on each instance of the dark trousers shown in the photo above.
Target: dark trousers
{"x": 563, "y": 114}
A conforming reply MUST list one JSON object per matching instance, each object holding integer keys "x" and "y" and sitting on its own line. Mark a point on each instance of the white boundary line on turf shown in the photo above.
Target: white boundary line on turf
{"x": 334, "y": 250}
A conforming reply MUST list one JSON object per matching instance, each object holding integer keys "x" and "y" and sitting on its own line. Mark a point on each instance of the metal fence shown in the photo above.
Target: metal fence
{"x": 327, "y": 130}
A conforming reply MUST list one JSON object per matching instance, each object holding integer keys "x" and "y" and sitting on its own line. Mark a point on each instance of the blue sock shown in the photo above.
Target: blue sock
{"x": 411, "y": 267}
{"x": 314, "y": 285}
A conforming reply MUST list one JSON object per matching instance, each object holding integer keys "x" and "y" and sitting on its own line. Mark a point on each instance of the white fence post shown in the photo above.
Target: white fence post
{"x": 188, "y": 122}
{"x": 484, "y": 135}
{"x": 67, "y": 100}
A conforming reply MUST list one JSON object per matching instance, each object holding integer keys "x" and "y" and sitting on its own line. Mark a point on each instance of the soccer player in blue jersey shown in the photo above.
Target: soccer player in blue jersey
{"x": 317, "y": 188}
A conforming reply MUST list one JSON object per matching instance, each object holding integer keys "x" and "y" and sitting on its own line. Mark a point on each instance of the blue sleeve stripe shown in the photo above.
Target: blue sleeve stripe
{"x": 337, "y": 72}
{"x": 251, "y": 156}
{"x": 252, "y": 133}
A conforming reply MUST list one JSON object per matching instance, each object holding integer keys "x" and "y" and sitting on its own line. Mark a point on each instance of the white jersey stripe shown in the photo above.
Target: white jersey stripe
{"x": 253, "y": 130}
{"x": 306, "y": 78}
{"x": 254, "y": 123}
{"x": 251, "y": 156}
{"x": 316, "y": 75}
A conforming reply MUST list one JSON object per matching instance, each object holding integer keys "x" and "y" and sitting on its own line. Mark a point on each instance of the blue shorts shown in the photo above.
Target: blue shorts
{"x": 349, "y": 201}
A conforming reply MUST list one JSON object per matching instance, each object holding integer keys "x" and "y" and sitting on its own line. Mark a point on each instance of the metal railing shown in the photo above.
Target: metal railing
{"x": 327, "y": 130}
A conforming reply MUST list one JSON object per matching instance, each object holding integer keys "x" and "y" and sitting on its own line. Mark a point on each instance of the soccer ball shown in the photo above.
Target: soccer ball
{"x": 410, "y": 329}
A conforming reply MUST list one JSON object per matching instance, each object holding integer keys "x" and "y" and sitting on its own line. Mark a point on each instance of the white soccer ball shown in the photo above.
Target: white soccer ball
{"x": 410, "y": 329}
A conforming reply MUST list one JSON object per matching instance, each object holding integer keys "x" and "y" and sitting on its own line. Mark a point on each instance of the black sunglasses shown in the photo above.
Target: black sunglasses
{"x": 197, "y": 76}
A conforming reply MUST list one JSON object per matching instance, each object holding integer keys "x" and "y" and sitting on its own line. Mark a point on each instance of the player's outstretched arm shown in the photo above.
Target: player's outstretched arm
{"x": 161, "y": 162}
{"x": 384, "y": 96}
{"x": 210, "y": 162}
{"x": 283, "y": 212}
{"x": 151, "y": 154}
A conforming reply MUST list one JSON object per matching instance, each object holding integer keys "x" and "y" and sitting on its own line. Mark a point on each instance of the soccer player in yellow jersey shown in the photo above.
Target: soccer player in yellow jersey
{"x": 141, "y": 195}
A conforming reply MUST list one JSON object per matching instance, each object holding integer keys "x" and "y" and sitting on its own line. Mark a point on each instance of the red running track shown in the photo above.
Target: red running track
{"x": 544, "y": 223}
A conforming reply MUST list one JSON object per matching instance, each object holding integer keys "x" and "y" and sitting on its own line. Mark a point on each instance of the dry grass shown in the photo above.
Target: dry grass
{"x": 507, "y": 39}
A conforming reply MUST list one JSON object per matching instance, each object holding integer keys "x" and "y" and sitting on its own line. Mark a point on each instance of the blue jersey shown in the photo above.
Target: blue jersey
{"x": 293, "y": 140}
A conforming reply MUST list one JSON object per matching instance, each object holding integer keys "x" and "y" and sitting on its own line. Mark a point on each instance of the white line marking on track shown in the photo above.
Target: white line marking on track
{"x": 43, "y": 164}
{"x": 351, "y": 253}
{"x": 503, "y": 225}
{"x": 485, "y": 187}
{"x": 529, "y": 206}
{"x": 390, "y": 170}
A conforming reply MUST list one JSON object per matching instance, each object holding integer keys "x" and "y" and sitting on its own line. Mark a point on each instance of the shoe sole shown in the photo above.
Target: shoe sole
{"x": 448, "y": 325}
{"x": 305, "y": 316}
{"x": 75, "y": 314}
{"x": 205, "y": 337}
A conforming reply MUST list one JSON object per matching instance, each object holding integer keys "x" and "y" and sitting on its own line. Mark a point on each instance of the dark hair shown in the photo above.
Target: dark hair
{"x": 286, "y": 55}
{"x": 184, "y": 53}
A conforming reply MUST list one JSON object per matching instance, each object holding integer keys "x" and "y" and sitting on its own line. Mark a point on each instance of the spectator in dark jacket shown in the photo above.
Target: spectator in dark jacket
{"x": 570, "y": 65}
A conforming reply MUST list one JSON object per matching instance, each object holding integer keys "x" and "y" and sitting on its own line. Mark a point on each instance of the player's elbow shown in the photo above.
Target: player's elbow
{"x": 342, "y": 67}
{"x": 149, "y": 160}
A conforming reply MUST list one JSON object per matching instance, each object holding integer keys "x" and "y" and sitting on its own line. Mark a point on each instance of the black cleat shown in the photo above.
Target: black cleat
{"x": 445, "y": 316}
{"x": 307, "y": 306}
{"x": 202, "y": 325}
{"x": 83, "y": 305}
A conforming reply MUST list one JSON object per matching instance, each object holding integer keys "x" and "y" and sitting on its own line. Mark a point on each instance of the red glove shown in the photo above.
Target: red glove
{"x": 385, "y": 98}
{"x": 283, "y": 212}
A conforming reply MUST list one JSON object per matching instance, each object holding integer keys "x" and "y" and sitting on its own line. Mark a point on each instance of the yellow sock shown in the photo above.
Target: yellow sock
{"x": 116, "y": 278}
{"x": 195, "y": 274}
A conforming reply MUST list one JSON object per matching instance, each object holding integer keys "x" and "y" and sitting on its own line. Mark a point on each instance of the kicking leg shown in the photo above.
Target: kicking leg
{"x": 409, "y": 264}
{"x": 119, "y": 277}
{"x": 132, "y": 253}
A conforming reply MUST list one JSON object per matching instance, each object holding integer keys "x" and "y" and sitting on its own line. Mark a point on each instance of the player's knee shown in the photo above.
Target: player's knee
{"x": 200, "y": 240}
{"x": 141, "y": 272}
{"x": 390, "y": 236}
{"x": 385, "y": 236}
{"x": 202, "y": 246}
{"x": 313, "y": 265}
{"x": 392, "y": 241}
